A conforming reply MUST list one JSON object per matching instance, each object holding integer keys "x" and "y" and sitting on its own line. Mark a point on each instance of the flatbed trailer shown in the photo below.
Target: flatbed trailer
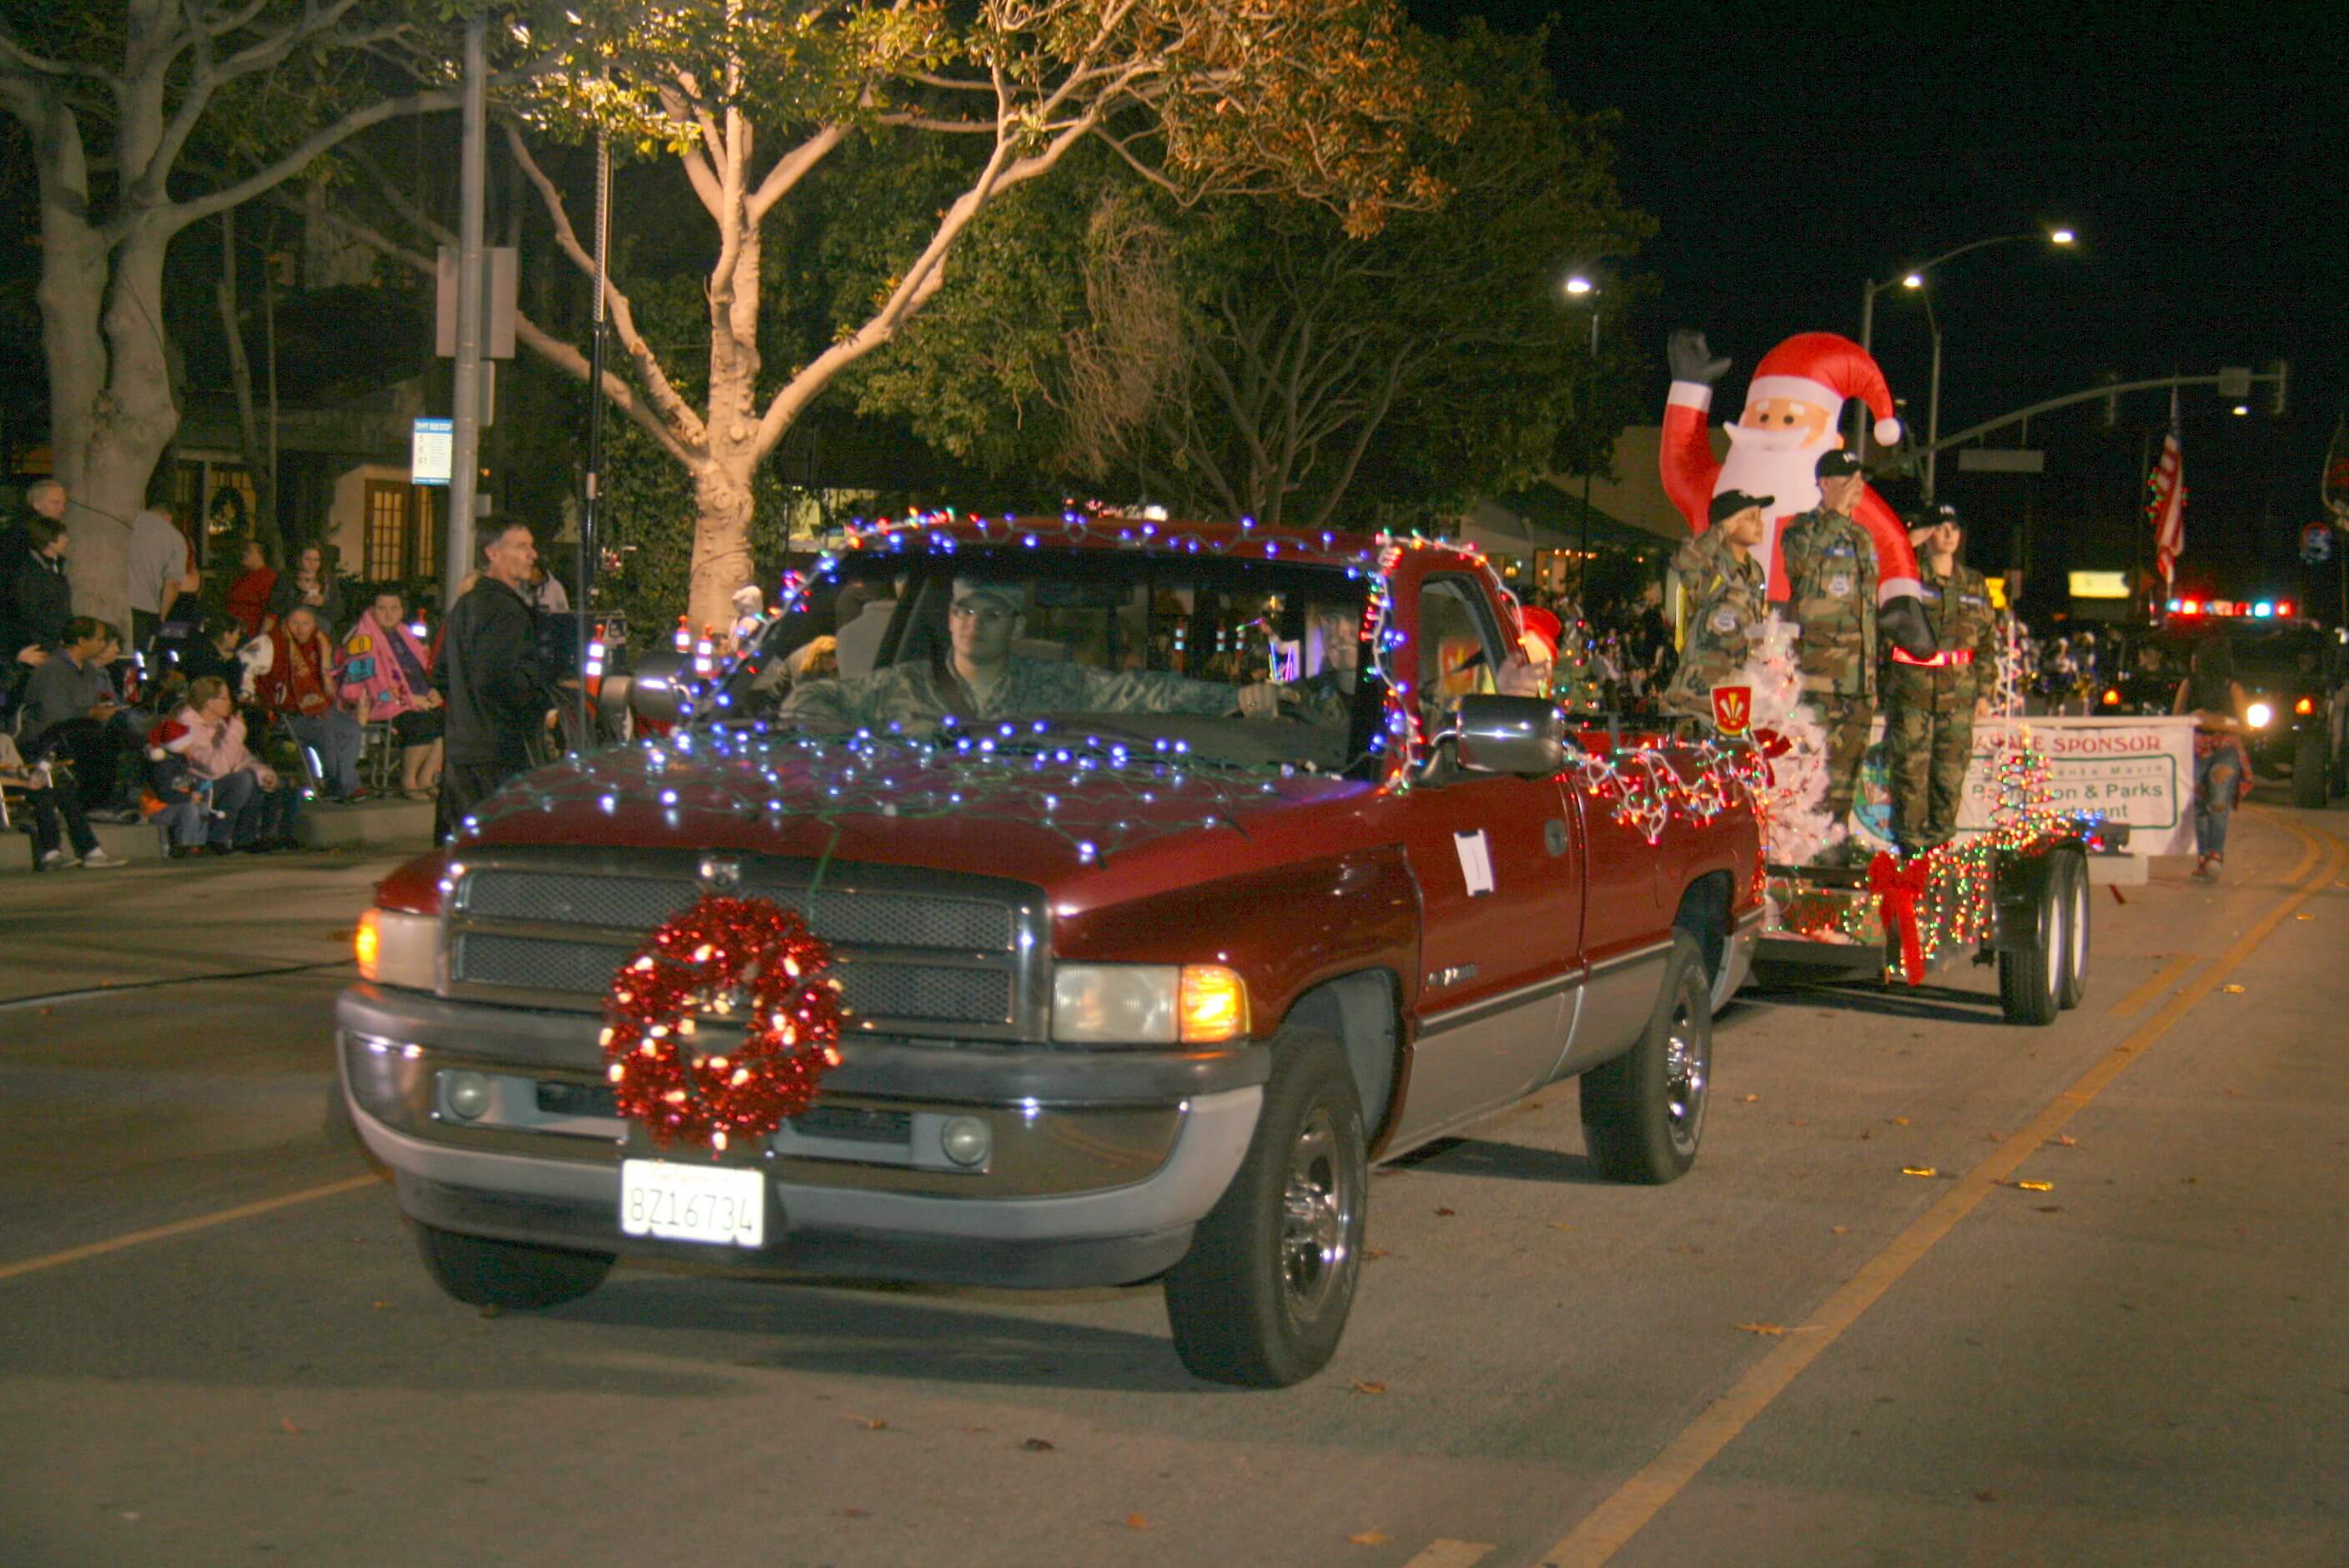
{"x": 2022, "y": 905}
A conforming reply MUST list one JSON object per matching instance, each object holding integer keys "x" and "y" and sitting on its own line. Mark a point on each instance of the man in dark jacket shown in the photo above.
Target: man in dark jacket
{"x": 498, "y": 692}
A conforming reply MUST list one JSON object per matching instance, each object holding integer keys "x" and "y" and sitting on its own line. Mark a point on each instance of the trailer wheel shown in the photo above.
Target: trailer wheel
{"x": 2309, "y": 773}
{"x": 1643, "y": 1113}
{"x": 2030, "y": 979}
{"x": 2077, "y": 896}
{"x": 482, "y": 1272}
{"x": 1262, "y": 1296}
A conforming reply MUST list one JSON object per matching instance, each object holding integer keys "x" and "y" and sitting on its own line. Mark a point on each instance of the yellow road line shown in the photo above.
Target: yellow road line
{"x": 1452, "y": 1555}
{"x": 183, "y": 1227}
{"x": 1626, "y": 1510}
{"x": 2155, "y": 986}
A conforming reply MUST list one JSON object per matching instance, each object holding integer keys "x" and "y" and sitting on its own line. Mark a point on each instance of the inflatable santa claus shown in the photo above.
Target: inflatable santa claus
{"x": 1792, "y": 409}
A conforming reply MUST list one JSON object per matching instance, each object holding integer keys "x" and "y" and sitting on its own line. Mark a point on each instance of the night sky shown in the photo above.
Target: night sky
{"x": 1790, "y": 155}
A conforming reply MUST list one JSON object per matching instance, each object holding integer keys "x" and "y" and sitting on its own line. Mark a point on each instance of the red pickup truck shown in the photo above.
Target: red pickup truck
{"x": 1172, "y": 875}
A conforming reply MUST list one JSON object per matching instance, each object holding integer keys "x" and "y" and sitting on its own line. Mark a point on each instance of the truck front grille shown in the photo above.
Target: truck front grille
{"x": 914, "y": 952}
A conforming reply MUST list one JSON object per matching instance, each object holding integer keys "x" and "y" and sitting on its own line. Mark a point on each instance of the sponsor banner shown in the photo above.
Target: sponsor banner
{"x": 2138, "y": 770}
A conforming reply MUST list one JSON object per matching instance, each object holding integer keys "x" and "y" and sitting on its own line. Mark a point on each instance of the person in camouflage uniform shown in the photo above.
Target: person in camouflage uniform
{"x": 1831, "y": 591}
{"x": 1931, "y": 706}
{"x": 981, "y": 678}
{"x": 1727, "y": 603}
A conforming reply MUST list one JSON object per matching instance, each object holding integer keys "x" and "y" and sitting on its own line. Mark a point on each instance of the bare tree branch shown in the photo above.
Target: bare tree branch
{"x": 319, "y": 142}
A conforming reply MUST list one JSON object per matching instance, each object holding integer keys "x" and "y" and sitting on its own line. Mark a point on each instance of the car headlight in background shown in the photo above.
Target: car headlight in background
{"x": 1148, "y": 1004}
{"x": 2304, "y": 706}
{"x": 394, "y": 948}
{"x": 2259, "y": 716}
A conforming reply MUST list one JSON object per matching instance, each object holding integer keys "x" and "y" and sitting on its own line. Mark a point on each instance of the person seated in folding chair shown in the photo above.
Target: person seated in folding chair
{"x": 292, "y": 676}
{"x": 178, "y": 802}
{"x": 387, "y": 677}
{"x": 52, "y": 803}
{"x": 253, "y": 808}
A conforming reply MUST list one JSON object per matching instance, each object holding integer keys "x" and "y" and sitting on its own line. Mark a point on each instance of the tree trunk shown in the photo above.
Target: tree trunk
{"x": 722, "y": 542}
{"x": 108, "y": 441}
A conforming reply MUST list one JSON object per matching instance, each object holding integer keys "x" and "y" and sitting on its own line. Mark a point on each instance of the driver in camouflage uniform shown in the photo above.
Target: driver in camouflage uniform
{"x": 1931, "y": 705}
{"x": 1831, "y": 589}
{"x": 981, "y": 678}
{"x": 1727, "y": 602}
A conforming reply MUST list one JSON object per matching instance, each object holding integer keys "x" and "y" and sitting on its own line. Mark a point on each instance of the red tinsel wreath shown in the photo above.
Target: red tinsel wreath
{"x": 724, "y": 960}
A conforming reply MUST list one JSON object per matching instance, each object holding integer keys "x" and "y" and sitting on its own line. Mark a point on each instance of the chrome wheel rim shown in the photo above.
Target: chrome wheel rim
{"x": 1687, "y": 1074}
{"x": 2059, "y": 924}
{"x": 2079, "y": 949}
{"x": 1317, "y": 1217}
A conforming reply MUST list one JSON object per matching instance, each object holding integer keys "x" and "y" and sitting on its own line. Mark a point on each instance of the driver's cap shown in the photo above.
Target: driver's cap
{"x": 979, "y": 593}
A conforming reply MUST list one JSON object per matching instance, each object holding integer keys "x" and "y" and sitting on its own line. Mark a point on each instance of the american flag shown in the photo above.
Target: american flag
{"x": 2165, "y": 512}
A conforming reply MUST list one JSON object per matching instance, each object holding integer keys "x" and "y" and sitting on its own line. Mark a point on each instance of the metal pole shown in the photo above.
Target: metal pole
{"x": 591, "y": 506}
{"x": 1868, "y": 346}
{"x": 1582, "y": 567}
{"x": 465, "y": 462}
{"x": 1933, "y": 417}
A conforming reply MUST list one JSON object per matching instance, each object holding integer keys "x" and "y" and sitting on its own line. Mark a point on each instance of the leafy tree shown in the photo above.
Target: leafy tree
{"x": 1258, "y": 359}
{"x": 145, "y": 116}
{"x": 1316, "y": 99}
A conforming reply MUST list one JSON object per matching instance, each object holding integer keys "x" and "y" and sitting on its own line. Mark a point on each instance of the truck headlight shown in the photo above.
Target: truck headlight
{"x": 394, "y": 948}
{"x": 2258, "y": 715}
{"x": 1147, "y": 1004}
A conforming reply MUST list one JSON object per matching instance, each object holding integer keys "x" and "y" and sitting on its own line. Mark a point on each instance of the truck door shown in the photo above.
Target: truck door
{"x": 1500, "y": 883}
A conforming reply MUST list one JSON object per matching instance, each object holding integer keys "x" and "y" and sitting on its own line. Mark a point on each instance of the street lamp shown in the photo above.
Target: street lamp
{"x": 1914, "y": 278}
{"x": 1581, "y": 287}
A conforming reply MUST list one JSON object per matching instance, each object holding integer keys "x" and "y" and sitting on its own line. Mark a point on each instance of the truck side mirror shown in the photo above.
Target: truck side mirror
{"x": 656, "y": 691}
{"x": 1521, "y": 734}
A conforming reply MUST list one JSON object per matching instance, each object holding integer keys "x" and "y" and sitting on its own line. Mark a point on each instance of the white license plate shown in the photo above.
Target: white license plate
{"x": 693, "y": 1203}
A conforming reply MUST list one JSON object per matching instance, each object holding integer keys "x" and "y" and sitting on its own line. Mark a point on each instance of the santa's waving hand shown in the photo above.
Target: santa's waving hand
{"x": 1792, "y": 409}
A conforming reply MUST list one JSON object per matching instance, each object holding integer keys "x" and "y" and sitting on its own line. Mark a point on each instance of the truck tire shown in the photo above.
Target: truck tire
{"x": 2030, "y": 980}
{"x": 1261, "y": 1298}
{"x": 1643, "y": 1113}
{"x": 2309, "y": 772}
{"x": 481, "y": 1271}
{"x": 2073, "y": 989}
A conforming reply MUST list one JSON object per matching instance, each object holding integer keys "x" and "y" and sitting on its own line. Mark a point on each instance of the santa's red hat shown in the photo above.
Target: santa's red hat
{"x": 1824, "y": 368}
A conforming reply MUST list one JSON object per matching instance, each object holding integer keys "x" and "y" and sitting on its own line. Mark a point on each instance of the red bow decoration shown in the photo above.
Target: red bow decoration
{"x": 1897, "y": 888}
{"x": 1772, "y": 745}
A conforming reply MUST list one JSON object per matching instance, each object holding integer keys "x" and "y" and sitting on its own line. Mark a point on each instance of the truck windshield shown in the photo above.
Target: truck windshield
{"x": 1250, "y": 663}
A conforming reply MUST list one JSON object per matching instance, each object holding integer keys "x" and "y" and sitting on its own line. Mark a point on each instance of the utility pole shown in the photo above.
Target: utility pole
{"x": 465, "y": 459}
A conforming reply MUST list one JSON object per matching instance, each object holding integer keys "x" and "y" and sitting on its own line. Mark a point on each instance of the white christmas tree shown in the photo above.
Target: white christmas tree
{"x": 1795, "y": 825}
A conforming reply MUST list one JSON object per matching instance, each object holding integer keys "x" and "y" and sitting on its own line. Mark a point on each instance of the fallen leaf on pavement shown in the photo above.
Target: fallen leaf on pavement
{"x": 1366, "y": 1385}
{"x": 1918, "y": 1171}
{"x": 1992, "y": 1138}
{"x": 2068, "y": 1140}
{"x": 1446, "y": 1214}
{"x": 287, "y": 1422}
{"x": 2049, "y": 1208}
{"x": 1038, "y": 1445}
{"x": 1839, "y": 1229}
{"x": 2304, "y": 917}
{"x": 1985, "y": 1497}
{"x": 1770, "y": 1328}
{"x": 1368, "y": 1538}
{"x": 852, "y": 1513}
{"x": 1899, "y": 1121}
{"x": 869, "y": 1423}
{"x": 1752, "y": 1097}
{"x": 492, "y": 1310}
{"x": 1372, "y": 1254}
{"x": 2232, "y": 990}
{"x": 1136, "y": 1522}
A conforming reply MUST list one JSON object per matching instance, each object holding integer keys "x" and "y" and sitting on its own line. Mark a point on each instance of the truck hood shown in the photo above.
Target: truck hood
{"x": 1087, "y": 827}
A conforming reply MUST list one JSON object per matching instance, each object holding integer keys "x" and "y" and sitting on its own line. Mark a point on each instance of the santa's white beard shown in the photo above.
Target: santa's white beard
{"x": 1779, "y": 464}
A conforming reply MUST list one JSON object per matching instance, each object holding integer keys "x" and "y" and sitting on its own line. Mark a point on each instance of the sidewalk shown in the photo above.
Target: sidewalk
{"x": 379, "y": 824}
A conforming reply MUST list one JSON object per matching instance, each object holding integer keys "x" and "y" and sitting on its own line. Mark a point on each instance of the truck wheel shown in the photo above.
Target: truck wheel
{"x": 2308, "y": 773}
{"x": 2078, "y": 896}
{"x": 481, "y": 1271}
{"x": 2030, "y": 982}
{"x": 1261, "y": 1298}
{"x": 1643, "y": 1113}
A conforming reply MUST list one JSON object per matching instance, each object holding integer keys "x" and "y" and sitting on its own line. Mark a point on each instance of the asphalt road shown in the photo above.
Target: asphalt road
{"x": 217, "y": 1346}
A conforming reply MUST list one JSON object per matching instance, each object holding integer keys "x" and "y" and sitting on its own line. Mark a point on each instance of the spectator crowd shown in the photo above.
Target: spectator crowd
{"x": 212, "y": 725}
